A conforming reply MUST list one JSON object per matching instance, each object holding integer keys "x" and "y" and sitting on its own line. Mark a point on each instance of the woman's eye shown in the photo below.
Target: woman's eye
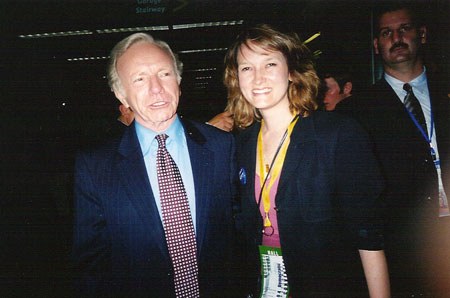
{"x": 271, "y": 64}
{"x": 245, "y": 68}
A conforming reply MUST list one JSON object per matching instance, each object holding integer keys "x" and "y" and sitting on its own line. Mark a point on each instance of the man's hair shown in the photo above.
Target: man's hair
{"x": 303, "y": 88}
{"x": 121, "y": 47}
{"x": 341, "y": 78}
{"x": 414, "y": 9}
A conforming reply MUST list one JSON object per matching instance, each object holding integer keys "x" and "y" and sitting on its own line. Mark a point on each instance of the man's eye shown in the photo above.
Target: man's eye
{"x": 138, "y": 79}
{"x": 164, "y": 74}
{"x": 271, "y": 64}
{"x": 385, "y": 33}
{"x": 406, "y": 28}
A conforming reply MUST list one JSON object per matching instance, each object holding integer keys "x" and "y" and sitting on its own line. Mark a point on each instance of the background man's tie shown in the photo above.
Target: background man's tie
{"x": 413, "y": 106}
{"x": 178, "y": 226}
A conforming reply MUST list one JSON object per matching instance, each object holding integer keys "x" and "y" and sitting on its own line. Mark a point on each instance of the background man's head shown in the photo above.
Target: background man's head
{"x": 338, "y": 87}
{"x": 399, "y": 33}
{"x": 126, "y": 115}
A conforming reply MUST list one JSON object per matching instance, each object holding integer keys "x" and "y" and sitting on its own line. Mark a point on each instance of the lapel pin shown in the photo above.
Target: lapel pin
{"x": 242, "y": 176}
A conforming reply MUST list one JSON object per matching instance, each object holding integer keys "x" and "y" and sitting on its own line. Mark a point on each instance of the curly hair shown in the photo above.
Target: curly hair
{"x": 302, "y": 90}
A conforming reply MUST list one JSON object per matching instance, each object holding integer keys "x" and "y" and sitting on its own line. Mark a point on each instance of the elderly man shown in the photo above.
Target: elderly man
{"x": 153, "y": 208}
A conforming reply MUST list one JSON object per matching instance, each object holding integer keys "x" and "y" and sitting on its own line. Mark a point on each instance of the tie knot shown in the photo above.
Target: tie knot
{"x": 161, "y": 140}
{"x": 407, "y": 87}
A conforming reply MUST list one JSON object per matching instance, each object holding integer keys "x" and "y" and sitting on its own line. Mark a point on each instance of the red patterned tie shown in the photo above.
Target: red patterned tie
{"x": 178, "y": 226}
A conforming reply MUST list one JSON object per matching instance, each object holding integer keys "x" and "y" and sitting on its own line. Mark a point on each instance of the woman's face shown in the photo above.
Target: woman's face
{"x": 263, "y": 77}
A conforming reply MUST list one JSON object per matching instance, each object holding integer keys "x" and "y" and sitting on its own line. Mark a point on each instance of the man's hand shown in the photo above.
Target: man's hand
{"x": 223, "y": 121}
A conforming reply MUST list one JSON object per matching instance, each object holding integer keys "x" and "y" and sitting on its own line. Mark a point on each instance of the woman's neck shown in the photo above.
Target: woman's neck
{"x": 275, "y": 123}
{"x": 274, "y": 129}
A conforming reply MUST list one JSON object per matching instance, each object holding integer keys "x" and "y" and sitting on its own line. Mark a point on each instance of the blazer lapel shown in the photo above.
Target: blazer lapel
{"x": 296, "y": 151}
{"x": 133, "y": 173}
{"x": 294, "y": 155}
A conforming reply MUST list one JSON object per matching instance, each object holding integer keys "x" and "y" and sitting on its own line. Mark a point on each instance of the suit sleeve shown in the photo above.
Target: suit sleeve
{"x": 91, "y": 244}
{"x": 359, "y": 185}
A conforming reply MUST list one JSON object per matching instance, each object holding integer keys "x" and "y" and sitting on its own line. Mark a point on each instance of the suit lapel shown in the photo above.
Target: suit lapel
{"x": 202, "y": 163}
{"x": 131, "y": 166}
{"x": 390, "y": 101}
{"x": 441, "y": 112}
{"x": 247, "y": 160}
{"x": 398, "y": 118}
{"x": 440, "y": 105}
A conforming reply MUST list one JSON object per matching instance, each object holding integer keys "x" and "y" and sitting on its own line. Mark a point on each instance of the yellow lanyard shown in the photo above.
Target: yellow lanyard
{"x": 268, "y": 179}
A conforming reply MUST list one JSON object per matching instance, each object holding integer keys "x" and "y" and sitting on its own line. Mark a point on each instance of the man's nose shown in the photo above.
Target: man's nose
{"x": 396, "y": 35}
{"x": 155, "y": 85}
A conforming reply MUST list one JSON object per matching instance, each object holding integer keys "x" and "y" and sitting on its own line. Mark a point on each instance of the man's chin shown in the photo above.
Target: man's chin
{"x": 400, "y": 59}
{"x": 158, "y": 124}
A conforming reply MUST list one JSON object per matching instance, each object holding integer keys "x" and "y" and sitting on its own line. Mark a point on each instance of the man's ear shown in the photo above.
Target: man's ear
{"x": 348, "y": 88}
{"x": 121, "y": 97}
{"x": 375, "y": 45}
{"x": 423, "y": 34}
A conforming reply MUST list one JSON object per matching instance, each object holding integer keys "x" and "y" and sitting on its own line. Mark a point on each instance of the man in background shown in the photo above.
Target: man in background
{"x": 338, "y": 90}
{"x": 126, "y": 116}
{"x": 407, "y": 114}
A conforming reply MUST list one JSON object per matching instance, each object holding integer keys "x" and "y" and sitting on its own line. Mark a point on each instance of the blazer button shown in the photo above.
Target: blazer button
{"x": 428, "y": 198}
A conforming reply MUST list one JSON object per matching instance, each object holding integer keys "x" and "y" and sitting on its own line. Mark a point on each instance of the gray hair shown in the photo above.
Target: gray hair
{"x": 121, "y": 47}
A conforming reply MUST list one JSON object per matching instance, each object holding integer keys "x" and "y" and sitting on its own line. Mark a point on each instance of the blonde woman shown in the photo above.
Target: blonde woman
{"x": 308, "y": 180}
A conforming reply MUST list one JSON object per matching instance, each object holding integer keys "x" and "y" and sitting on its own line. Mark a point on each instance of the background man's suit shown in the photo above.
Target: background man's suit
{"x": 404, "y": 155}
{"x": 413, "y": 228}
{"x": 120, "y": 248}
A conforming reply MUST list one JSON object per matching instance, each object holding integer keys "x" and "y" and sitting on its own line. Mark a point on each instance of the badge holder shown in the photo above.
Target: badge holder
{"x": 274, "y": 283}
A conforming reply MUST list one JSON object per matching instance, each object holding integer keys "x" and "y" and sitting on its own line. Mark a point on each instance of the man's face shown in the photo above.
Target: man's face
{"x": 398, "y": 38}
{"x": 149, "y": 85}
{"x": 333, "y": 94}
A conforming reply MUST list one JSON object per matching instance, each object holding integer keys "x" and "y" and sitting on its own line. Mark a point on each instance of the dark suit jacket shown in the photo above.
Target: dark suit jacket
{"x": 415, "y": 237}
{"x": 412, "y": 185}
{"x": 326, "y": 199}
{"x": 119, "y": 244}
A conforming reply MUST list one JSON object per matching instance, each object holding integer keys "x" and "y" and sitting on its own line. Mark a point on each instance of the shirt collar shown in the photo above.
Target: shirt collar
{"x": 147, "y": 136}
{"x": 419, "y": 83}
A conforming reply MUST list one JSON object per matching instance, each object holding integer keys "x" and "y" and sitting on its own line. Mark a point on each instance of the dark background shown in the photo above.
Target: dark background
{"x": 51, "y": 107}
